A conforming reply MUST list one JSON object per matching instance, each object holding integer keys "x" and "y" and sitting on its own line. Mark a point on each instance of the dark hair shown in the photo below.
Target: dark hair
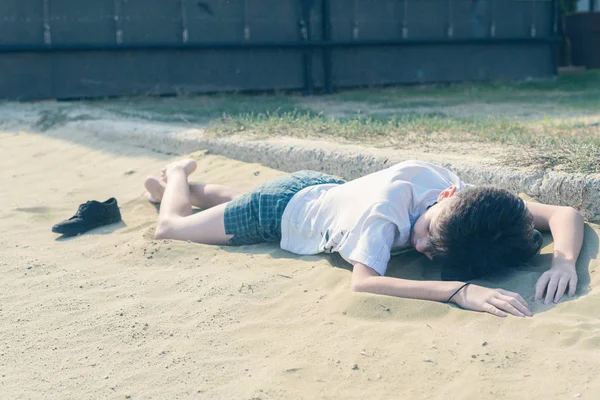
{"x": 486, "y": 230}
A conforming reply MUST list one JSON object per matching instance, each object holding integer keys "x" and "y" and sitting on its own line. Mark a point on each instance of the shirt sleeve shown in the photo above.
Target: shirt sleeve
{"x": 371, "y": 243}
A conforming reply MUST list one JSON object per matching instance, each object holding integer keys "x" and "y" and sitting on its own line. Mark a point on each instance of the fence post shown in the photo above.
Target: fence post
{"x": 118, "y": 26}
{"x": 46, "y": 16}
{"x": 355, "y": 27}
{"x": 533, "y": 29}
{"x": 554, "y": 15}
{"x": 305, "y": 36}
{"x": 325, "y": 38}
{"x": 492, "y": 20}
{"x": 246, "y": 27}
{"x": 184, "y": 22}
{"x": 405, "y": 21}
{"x": 450, "y": 28}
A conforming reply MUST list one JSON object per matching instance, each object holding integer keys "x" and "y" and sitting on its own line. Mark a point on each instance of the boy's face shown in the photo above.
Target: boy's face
{"x": 428, "y": 222}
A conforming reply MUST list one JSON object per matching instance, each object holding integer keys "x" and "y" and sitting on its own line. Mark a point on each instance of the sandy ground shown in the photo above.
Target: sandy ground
{"x": 115, "y": 314}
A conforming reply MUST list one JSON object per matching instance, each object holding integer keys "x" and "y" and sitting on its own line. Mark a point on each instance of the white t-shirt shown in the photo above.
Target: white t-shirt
{"x": 367, "y": 218}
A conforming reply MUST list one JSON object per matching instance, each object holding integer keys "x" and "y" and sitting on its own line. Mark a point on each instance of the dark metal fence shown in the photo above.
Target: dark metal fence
{"x": 92, "y": 48}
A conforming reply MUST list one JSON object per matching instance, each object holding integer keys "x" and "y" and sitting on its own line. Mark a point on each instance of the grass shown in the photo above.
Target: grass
{"x": 564, "y": 147}
{"x": 202, "y": 109}
{"x": 543, "y": 123}
{"x": 575, "y": 91}
{"x": 550, "y": 124}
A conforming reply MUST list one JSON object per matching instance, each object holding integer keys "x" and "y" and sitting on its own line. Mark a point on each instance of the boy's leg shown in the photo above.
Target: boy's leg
{"x": 201, "y": 195}
{"x": 175, "y": 219}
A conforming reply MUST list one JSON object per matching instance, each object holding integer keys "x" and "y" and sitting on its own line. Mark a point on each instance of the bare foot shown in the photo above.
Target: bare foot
{"x": 155, "y": 189}
{"x": 188, "y": 165}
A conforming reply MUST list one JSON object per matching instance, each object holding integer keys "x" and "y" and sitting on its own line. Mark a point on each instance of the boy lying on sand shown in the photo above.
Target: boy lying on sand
{"x": 471, "y": 231}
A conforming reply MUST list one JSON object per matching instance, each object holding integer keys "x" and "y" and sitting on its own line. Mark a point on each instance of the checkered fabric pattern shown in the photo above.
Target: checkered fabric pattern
{"x": 255, "y": 217}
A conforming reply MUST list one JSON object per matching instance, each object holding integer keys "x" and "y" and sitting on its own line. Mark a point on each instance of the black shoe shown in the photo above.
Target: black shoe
{"x": 90, "y": 215}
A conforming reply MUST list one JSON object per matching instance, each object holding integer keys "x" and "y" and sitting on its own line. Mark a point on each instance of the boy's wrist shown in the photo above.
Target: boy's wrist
{"x": 457, "y": 292}
{"x": 560, "y": 258}
{"x": 563, "y": 264}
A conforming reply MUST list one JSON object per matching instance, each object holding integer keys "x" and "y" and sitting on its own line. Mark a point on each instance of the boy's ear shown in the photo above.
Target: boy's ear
{"x": 447, "y": 193}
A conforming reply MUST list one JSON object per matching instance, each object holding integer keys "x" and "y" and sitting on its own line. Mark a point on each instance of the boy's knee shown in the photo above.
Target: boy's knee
{"x": 163, "y": 229}
{"x": 160, "y": 233}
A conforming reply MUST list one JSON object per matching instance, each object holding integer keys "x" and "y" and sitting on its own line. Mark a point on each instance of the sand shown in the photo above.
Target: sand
{"x": 116, "y": 314}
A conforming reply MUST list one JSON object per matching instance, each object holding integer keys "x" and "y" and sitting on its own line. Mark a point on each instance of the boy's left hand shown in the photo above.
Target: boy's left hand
{"x": 554, "y": 283}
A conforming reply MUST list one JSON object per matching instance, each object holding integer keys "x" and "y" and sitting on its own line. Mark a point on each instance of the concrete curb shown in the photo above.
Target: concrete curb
{"x": 581, "y": 191}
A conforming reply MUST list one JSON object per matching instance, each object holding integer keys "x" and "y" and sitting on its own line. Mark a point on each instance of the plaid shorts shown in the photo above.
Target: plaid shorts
{"x": 255, "y": 217}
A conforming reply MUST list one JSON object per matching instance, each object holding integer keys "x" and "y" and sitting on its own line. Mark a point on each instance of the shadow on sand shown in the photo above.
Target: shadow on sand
{"x": 413, "y": 265}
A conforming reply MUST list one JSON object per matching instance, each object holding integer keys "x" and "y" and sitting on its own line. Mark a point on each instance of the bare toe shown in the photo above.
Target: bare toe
{"x": 155, "y": 189}
{"x": 188, "y": 165}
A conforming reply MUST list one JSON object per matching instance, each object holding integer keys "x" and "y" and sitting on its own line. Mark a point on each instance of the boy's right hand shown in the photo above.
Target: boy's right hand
{"x": 498, "y": 302}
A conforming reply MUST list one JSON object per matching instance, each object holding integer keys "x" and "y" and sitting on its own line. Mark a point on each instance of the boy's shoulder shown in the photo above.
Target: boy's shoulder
{"x": 422, "y": 173}
{"x": 419, "y": 165}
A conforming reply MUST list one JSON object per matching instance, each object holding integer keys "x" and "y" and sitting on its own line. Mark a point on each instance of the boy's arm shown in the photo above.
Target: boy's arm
{"x": 566, "y": 226}
{"x": 478, "y": 298}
